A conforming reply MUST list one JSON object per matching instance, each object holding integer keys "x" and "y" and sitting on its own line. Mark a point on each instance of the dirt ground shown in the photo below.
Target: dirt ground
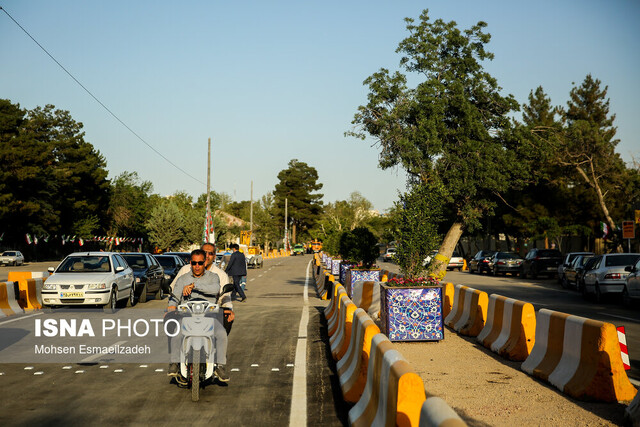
{"x": 485, "y": 389}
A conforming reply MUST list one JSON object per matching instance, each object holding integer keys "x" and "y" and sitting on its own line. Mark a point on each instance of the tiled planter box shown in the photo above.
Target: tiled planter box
{"x": 411, "y": 313}
{"x": 335, "y": 267}
{"x": 344, "y": 267}
{"x": 352, "y": 275}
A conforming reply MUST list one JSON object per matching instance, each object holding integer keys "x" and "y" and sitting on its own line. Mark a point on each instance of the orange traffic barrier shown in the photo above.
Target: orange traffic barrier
{"x": 343, "y": 337}
{"x": 334, "y": 321}
{"x": 580, "y": 357}
{"x": 339, "y": 318}
{"x": 366, "y": 295}
{"x": 469, "y": 311}
{"x": 510, "y": 328}
{"x": 8, "y": 302}
{"x": 352, "y": 368}
{"x": 436, "y": 412}
{"x": 447, "y": 299}
{"x": 393, "y": 394}
{"x": 329, "y": 309}
{"x": 28, "y": 298}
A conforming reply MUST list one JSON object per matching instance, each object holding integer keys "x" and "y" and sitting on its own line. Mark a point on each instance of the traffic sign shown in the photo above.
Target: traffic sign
{"x": 628, "y": 230}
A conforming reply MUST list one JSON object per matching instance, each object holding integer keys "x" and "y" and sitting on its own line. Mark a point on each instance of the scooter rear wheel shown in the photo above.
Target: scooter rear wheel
{"x": 195, "y": 376}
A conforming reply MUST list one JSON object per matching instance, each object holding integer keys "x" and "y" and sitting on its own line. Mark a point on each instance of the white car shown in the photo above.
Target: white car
{"x": 90, "y": 278}
{"x": 390, "y": 255}
{"x": 456, "y": 260}
{"x": 11, "y": 258}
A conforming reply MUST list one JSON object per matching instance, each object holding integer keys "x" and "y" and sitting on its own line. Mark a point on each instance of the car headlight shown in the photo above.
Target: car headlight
{"x": 49, "y": 286}
{"x": 97, "y": 286}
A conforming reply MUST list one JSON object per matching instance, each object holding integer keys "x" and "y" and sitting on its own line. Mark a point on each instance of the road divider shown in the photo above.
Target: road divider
{"x": 30, "y": 294}
{"x": 580, "y": 357}
{"x": 334, "y": 320}
{"x": 366, "y": 295}
{"x": 469, "y": 311}
{"x": 339, "y": 339}
{"x": 448, "y": 291}
{"x": 352, "y": 368}
{"x": 9, "y": 304}
{"x": 393, "y": 393}
{"x": 436, "y": 412}
{"x": 510, "y": 328}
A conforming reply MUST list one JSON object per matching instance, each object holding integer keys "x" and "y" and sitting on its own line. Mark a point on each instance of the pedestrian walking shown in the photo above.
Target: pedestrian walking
{"x": 236, "y": 268}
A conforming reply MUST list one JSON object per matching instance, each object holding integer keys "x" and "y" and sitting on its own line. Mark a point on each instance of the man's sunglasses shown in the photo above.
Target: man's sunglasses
{"x": 197, "y": 262}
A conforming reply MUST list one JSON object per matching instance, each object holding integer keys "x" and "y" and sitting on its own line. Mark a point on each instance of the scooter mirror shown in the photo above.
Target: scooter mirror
{"x": 227, "y": 288}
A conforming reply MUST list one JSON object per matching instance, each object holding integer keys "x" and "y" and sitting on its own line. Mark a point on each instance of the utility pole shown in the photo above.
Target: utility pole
{"x": 251, "y": 217}
{"x": 208, "y": 217}
{"x": 286, "y": 227}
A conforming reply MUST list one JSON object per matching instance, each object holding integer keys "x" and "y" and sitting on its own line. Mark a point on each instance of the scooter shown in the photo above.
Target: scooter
{"x": 197, "y": 352}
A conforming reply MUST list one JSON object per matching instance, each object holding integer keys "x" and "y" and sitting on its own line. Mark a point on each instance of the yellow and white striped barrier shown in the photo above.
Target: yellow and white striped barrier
{"x": 448, "y": 291}
{"x": 366, "y": 295}
{"x": 334, "y": 321}
{"x": 436, "y": 413}
{"x": 339, "y": 341}
{"x": 30, "y": 293}
{"x": 352, "y": 368}
{"x": 9, "y": 304}
{"x": 393, "y": 394}
{"x": 469, "y": 311}
{"x": 15, "y": 276}
{"x": 331, "y": 307}
{"x": 510, "y": 328}
{"x": 580, "y": 357}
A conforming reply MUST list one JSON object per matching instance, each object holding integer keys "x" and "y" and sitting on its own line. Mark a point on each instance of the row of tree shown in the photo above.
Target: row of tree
{"x": 556, "y": 171}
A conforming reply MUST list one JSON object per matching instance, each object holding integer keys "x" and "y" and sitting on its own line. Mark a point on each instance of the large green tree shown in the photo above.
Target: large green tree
{"x": 166, "y": 225}
{"x": 448, "y": 128}
{"x": 52, "y": 180}
{"x": 298, "y": 185}
{"x": 130, "y": 205}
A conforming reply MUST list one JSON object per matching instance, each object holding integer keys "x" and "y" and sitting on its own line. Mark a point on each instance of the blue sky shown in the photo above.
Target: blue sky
{"x": 270, "y": 81}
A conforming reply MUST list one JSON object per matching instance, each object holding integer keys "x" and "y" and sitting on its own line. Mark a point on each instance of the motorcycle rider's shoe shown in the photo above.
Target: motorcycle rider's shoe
{"x": 182, "y": 381}
{"x": 221, "y": 373}
{"x": 174, "y": 370}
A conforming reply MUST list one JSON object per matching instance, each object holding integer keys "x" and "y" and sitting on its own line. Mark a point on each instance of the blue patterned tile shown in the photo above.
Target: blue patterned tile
{"x": 412, "y": 313}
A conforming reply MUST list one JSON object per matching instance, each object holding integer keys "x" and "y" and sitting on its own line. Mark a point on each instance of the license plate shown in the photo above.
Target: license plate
{"x": 72, "y": 294}
{"x": 551, "y": 268}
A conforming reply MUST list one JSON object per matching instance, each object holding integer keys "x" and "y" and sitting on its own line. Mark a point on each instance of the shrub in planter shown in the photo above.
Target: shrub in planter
{"x": 360, "y": 246}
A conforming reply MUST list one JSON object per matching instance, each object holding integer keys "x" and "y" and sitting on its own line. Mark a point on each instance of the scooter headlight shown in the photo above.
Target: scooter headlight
{"x": 197, "y": 308}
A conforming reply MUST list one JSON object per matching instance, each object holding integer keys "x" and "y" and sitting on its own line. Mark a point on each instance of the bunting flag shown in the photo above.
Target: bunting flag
{"x": 28, "y": 237}
{"x": 35, "y": 239}
{"x": 208, "y": 234}
{"x": 81, "y": 242}
{"x": 605, "y": 229}
{"x": 1, "y": 236}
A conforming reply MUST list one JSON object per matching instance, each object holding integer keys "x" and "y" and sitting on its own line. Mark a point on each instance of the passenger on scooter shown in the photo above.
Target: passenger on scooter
{"x": 200, "y": 283}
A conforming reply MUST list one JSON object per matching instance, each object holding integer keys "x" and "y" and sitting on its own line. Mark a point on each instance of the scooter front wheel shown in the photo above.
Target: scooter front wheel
{"x": 195, "y": 376}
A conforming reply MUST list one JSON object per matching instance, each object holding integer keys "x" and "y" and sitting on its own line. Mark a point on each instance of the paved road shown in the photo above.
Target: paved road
{"x": 547, "y": 293}
{"x": 262, "y": 353}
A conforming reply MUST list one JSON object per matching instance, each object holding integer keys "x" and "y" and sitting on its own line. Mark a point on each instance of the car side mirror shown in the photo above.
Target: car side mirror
{"x": 51, "y": 269}
{"x": 228, "y": 288}
{"x": 628, "y": 268}
{"x": 119, "y": 269}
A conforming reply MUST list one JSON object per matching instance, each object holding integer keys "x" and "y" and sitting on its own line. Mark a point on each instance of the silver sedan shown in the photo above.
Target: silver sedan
{"x": 608, "y": 275}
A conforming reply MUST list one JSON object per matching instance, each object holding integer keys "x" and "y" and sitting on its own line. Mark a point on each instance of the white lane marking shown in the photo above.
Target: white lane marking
{"x": 251, "y": 280}
{"x": 619, "y": 317}
{"x": 275, "y": 369}
{"x": 235, "y": 370}
{"x": 67, "y": 367}
{"x": 298, "y": 414}
{"x": 21, "y": 317}
{"x": 144, "y": 366}
{"x": 160, "y": 370}
{"x": 38, "y": 373}
{"x": 1, "y": 374}
{"x": 260, "y": 275}
{"x": 99, "y": 355}
{"x": 290, "y": 365}
{"x": 28, "y": 368}
{"x": 80, "y": 371}
{"x": 254, "y": 365}
{"x": 104, "y": 367}
{"x": 117, "y": 371}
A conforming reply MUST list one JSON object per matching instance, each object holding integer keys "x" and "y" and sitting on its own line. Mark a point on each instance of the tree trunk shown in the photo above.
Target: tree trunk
{"x": 293, "y": 232}
{"x": 446, "y": 249}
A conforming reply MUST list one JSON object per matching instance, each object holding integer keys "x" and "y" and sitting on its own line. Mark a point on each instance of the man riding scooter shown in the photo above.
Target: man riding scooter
{"x": 199, "y": 283}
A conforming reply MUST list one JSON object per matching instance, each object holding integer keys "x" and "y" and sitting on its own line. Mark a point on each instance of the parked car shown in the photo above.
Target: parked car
{"x": 608, "y": 275}
{"x": 298, "y": 249}
{"x": 588, "y": 265}
{"x": 574, "y": 271}
{"x": 541, "y": 262}
{"x": 171, "y": 264}
{"x": 568, "y": 259}
{"x": 480, "y": 262}
{"x": 148, "y": 273}
{"x": 90, "y": 278}
{"x": 631, "y": 289}
{"x": 185, "y": 256}
{"x": 505, "y": 262}
{"x": 389, "y": 255}
{"x": 11, "y": 258}
{"x": 456, "y": 261}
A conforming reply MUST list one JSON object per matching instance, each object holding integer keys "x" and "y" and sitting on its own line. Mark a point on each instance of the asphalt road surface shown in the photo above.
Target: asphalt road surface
{"x": 547, "y": 293}
{"x": 261, "y": 364}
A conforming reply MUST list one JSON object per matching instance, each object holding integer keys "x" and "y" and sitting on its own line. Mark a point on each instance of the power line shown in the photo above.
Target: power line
{"x": 100, "y": 102}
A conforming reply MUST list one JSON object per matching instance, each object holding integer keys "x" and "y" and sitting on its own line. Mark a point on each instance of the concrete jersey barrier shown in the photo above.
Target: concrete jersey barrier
{"x": 393, "y": 394}
{"x": 580, "y": 357}
{"x": 340, "y": 344}
{"x": 436, "y": 413}
{"x": 510, "y": 328}
{"x": 469, "y": 311}
{"x": 366, "y": 295}
{"x": 9, "y": 304}
{"x": 352, "y": 368}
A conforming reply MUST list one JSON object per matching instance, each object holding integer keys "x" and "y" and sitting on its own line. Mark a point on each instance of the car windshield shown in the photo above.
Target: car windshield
{"x": 455, "y": 254}
{"x": 85, "y": 264}
{"x": 166, "y": 261}
{"x": 507, "y": 255}
{"x": 583, "y": 260}
{"x": 620, "y": 260}
{"x": 8, "y": 254}
{"x": 391, "y": 251}
{"x": 135, "y": 261}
